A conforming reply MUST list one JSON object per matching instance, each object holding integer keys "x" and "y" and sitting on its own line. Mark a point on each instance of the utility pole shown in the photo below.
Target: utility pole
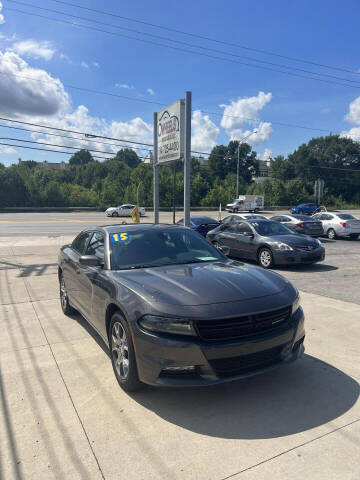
{"x": 156, "y": 171}
{"x": 187, "y": 159}
{"x": 238, "y": 161}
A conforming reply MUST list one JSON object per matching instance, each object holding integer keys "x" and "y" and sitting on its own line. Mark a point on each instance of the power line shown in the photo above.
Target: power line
{"x": 71, "y": 138}
{"x": 190, "y": 34}
{"x": 88, "y": 135}
{"x": 56, "y": 145}
{"x": 73, "y": 24}
{"x": 289, "y": 67}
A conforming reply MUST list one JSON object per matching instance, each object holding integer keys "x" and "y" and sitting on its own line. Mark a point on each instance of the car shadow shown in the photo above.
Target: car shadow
{"x": 281, "y": 402}
{"x": 78, "y": 318}
{"x": 314, "y": 267}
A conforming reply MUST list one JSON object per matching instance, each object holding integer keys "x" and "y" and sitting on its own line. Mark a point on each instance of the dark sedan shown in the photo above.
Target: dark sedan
{"x": 305, "y": 208}
{"x": 301, "y": 224}
{"x": 174, "y": 310}
{"x": 201, "y": 225}
{"x": 268, "y": 242}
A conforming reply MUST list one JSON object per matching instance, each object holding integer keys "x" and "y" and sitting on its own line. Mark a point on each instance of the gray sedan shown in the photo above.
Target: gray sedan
{"x": 337, "y": 224}
{"x": 301, "y": 224}
{"x": 173, "y": 310}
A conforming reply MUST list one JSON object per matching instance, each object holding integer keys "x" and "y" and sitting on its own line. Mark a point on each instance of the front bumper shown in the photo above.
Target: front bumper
{"x": 219, "y": 361}
{"x": 298, "y": 256}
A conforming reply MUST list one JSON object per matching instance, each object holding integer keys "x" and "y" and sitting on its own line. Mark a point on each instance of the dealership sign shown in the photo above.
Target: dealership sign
{"x": 170, "y": 132}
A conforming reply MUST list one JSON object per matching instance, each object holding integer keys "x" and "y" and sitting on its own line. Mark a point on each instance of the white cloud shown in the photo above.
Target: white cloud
{"x": 65, "y": 57}
{"x": 5, "y": 150}
{"x": 96, "y": 65}
{"x": 27, "y": 91}
{"x": 245, "y": 111}
{"x": 150, "y": 91}
{"x": 85, "y": 65}
{"x": 267, "y": 154}
{"x": 124, "y": 85}
{"x": 204, "y": 132}
{"x": 2, "y": 20}
{"x": 353, "y": 117}
{"x": 34, "y": 49}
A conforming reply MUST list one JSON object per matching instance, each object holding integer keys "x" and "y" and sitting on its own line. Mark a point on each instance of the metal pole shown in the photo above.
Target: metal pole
{"x": 237, "y": 171}
{"x": 174, "y": 193}
{"x": 187, "y": 159}
{"x": 156, "y": 172}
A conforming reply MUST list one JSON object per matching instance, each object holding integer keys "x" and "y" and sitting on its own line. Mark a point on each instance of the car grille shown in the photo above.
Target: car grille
{"x": 230, "y": 367}
{"x": 307, "y": 248}
{"x": 232, "y": 328}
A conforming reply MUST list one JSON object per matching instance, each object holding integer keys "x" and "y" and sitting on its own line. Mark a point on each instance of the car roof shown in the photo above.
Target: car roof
{"x": 133, "y": 227}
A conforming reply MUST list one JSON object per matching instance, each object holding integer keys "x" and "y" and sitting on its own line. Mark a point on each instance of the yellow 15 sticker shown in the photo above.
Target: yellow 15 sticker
{"x": 119, "y": 237}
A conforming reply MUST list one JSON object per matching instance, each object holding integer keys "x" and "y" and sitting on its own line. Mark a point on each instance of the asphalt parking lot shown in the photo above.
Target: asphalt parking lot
{"x": 64, "y": 416}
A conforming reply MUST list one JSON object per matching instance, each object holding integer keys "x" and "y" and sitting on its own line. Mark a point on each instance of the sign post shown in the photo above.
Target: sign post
{"x": 319, "y": 190}
{"x": 172, "y": 142}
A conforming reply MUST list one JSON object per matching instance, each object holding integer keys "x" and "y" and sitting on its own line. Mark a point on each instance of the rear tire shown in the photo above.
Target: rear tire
{"x": 331, "y": 234}
{"x": 64, "y": 299}
{"x": 265, "y": 258}
{"x": 122, "y": 353}
{"x": 354, "y": 236}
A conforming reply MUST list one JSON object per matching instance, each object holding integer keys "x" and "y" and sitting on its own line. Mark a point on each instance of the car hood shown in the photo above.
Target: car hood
{"x": 202, "y": 284}
{"x": 293, "y": 240}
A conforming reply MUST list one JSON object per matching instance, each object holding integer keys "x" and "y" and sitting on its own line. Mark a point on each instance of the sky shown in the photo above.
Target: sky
{"x": 49, "y": 72}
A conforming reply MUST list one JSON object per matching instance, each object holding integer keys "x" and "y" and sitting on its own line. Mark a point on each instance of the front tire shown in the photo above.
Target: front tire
{"x": 331, "y": 234}
{"x": 123, "y": 354}
{"x": 265, "y": 258}
{"x": 114, "y": 214}
{"x": 64, "y": 299}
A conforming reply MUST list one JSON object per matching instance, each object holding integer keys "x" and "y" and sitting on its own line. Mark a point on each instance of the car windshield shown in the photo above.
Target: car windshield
{"x": 269, "y": 228}
{"x": 255, "y": 217}
{"x": 203, "y": 220}
{"x": 346, "y": 216}
{"x": 303, "y": 217}
{"x": 153, "y": 247}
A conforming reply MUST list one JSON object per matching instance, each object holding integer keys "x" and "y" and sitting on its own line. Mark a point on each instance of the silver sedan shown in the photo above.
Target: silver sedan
{"x": 337, "y": 224}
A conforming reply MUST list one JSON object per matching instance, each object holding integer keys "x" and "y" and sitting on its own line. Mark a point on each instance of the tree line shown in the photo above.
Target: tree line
{"x": 88, "y": 182}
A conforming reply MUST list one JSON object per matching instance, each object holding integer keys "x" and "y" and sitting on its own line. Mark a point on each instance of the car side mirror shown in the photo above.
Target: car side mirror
{"x": 89, "y": 261}
{"x": 249, "y": 234}
{"x": 225, "y": 250}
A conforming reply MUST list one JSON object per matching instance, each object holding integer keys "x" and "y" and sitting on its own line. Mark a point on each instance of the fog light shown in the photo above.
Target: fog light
{"x": 187, "y": 369}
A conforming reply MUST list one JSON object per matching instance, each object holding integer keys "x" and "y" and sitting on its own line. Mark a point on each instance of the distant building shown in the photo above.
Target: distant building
{"x": 264, "y": 171}
{"x": 203, "y": 161}
{"x": 149, "y": 158}
{"x": 53, "y": 165}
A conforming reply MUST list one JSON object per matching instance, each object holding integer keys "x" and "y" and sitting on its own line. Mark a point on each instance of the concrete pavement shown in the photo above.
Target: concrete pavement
{"x": 64, "y": 416}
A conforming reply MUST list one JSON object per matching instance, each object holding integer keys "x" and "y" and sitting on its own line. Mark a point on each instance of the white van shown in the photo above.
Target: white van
{"x": 246, "y": 203}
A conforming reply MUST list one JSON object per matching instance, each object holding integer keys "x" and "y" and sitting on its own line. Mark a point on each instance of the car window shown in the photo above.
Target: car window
{"x": 346, "y": 216}
{"x": 154, "y": 247}
{"x": 326, "y": 216}
{"x": 231, "y": 227}
{"x": 203, "y": 221}
{"x": 80, "y": 242}
{"x": 268, "y": 228}
{"x": 275, "y": 219}
{"x": 227, "y": 220}
{"x": 243, "y": 227}
{"x": 96, "y": 246}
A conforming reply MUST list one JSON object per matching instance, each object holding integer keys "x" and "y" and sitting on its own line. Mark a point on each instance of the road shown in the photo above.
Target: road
{"x": 63, "y": 415}
{"x": 338, "y": 276}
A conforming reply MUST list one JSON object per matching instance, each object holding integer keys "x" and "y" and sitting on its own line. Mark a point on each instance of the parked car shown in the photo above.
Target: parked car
{"x": 246, "y": 203}
{"x": 336, "y": 224}
{"x": 123, "y": 211}
{"x": 248, "y": 216}
{"x": 201, "y": 225}
{"x": 305, "y": 208}
{"x": 269, "y": 243}
{"x": 301, "y": 224}
{"x": 173, "y": 310}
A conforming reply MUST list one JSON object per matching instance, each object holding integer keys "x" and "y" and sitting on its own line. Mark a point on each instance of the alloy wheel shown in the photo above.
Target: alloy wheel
{"x": 63, "y": 293}
{"x": 120, "y": 350}
{"x": 331, "y": 234}
{"x": 265, "y": 258}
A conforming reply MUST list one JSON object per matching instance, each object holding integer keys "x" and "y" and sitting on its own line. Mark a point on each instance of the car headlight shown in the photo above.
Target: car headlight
{"x": 167, "y": 325}
{"x": 295, "y": 305}
{"x": 282, "y": 246}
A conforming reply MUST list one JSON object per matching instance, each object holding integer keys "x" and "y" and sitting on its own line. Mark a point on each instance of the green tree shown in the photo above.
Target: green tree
{"x": 81, "y": 157}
